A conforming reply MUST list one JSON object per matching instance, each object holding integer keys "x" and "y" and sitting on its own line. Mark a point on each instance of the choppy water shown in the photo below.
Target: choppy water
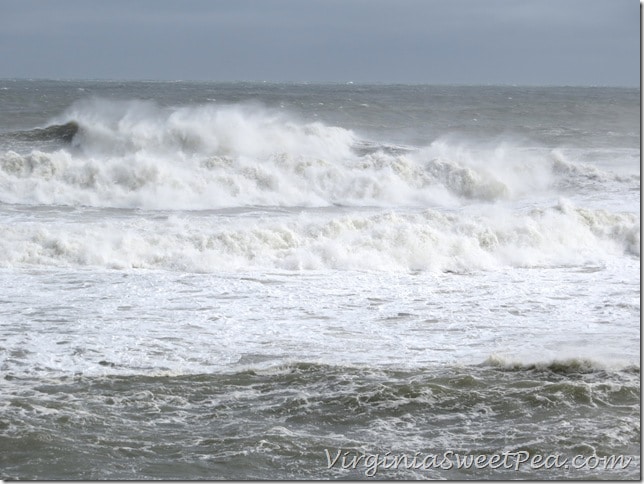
{"x": 249, "y": 280}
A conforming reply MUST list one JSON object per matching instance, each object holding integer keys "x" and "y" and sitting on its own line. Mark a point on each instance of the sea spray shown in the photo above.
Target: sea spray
{"x": 136, "y": 154}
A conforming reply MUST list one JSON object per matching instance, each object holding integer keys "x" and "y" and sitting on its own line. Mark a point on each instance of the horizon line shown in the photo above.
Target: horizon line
{"x": 315, "y": 82}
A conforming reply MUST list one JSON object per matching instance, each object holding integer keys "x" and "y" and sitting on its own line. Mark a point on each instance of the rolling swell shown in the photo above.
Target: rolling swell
{"x": 63, "y": 133}
{"x": 278, "y": 421}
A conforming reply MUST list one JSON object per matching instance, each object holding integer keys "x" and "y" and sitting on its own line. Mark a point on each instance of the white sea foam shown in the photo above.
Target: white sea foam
{"x": 429, "y": 240}
{"x": 135, "y": 154}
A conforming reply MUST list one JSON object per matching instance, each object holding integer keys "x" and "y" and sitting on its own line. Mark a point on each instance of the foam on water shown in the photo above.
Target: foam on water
{"x": 135, "y": 154}
{"x": 458, "y": 241}
{"x": 227, "y": 290}
{"x": 243, "y": 425}
{"x": 161, "y": 322}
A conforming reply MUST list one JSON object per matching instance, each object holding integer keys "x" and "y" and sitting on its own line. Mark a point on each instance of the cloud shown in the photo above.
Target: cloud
{"x": 462, "y": 41}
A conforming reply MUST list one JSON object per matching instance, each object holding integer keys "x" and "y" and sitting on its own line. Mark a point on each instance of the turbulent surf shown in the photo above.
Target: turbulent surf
{"x": 245, "y": 281}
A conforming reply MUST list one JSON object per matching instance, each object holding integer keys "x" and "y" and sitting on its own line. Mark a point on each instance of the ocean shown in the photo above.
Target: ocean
{"x": 303, "y": 281}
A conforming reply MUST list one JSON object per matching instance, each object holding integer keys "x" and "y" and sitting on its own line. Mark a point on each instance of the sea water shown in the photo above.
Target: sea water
{"x": 254, "y": 280}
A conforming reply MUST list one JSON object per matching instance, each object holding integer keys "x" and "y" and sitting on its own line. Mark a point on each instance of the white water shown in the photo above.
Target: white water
{"x": 211, "y": 239}
{"x": 460, "y": 241}
{"x": 138, "y": 155}
{"x": 96, "y": 323}
{"x": 244, "y": 190}
{"x": 247, "y": 191}
{"x": 448, "y": 206}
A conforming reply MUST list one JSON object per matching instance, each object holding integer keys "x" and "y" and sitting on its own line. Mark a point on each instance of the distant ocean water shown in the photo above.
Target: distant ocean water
{"x": 286, "y": 281}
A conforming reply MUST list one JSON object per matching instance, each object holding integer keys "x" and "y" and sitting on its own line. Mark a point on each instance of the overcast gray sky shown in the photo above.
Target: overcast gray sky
{"x": 571, "y": 42}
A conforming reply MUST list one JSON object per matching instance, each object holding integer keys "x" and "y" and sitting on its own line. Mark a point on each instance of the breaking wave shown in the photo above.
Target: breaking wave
{"x": 570, "y": 366}
{"x": 136, "y": 154}
{"x": 429, "y": 240}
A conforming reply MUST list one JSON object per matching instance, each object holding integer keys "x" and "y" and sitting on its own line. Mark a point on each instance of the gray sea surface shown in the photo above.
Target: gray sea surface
{"x": 301, "y": 281}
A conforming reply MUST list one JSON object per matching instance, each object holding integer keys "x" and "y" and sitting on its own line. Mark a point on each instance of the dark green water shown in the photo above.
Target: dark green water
{"x": 284, "y": 422}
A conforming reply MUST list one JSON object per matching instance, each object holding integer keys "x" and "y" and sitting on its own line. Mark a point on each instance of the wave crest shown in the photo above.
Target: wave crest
{"x": 427, "y": 241}
{"x": 136, "y": 154}
{"x": 63, "y": 133}
{"x": 569, "y": 366}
